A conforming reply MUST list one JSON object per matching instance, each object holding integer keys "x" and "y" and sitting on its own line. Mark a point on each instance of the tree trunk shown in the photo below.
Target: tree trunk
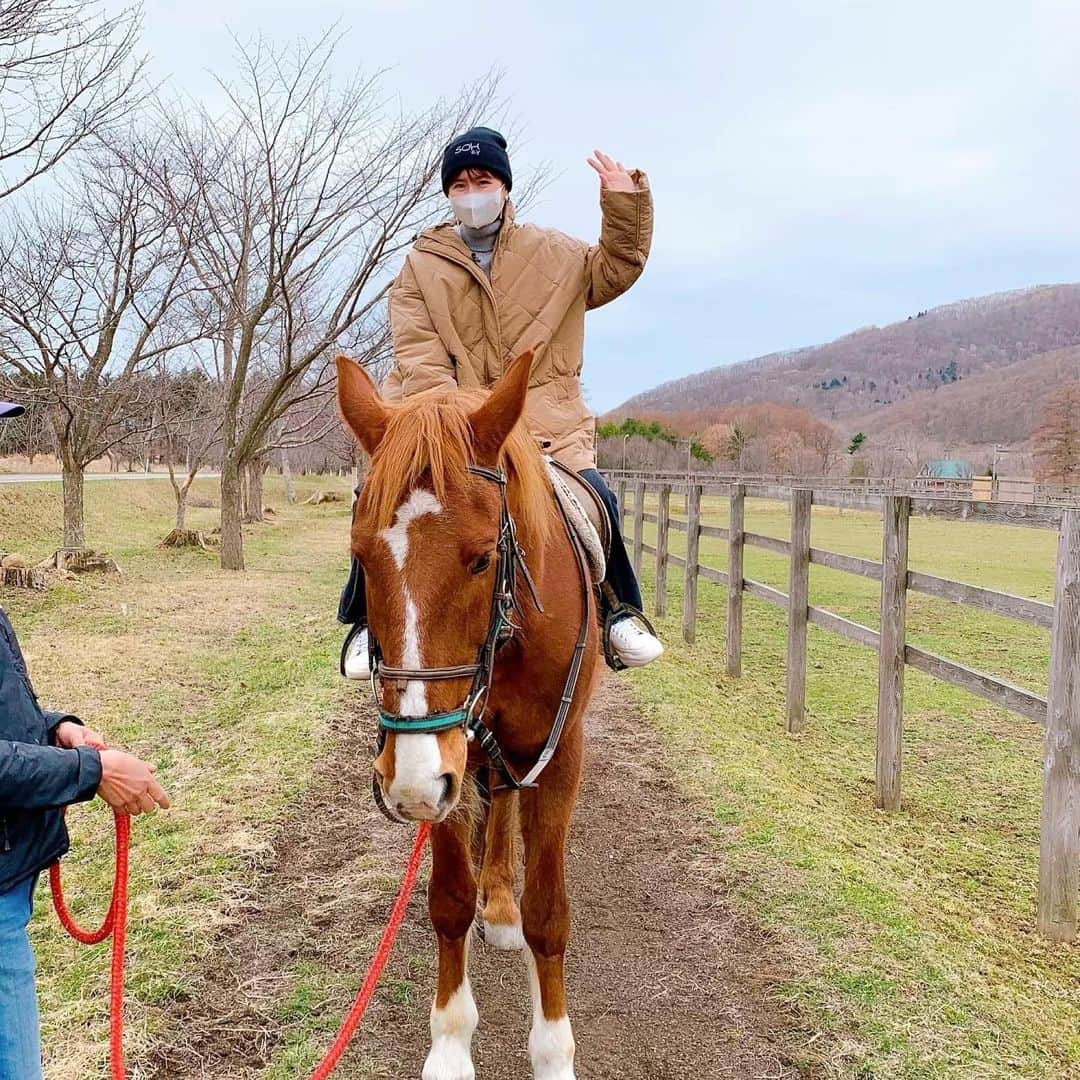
{"x": 74, "y": 513}
{"x": 181, "y": 508}
{"x": 286, "y": 476}
{"x": 253, "y": 490}
{"x": 232, "y": 537}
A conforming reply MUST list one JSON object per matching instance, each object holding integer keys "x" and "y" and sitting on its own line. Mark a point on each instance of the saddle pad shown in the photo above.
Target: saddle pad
{"x": 580, "y": 521}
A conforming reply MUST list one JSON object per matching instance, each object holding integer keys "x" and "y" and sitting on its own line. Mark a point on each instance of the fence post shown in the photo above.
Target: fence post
{"x": 890, "y": 704}
{"x": 620, "y": 496}
{"x": 639, "y": 524}
{"x": 693, "y": 534}
{"x": 1059, "y": 829}
{"x": 798, "y": 604}
{"x": 736, "y": 503}
{"x": 663, "y": 520}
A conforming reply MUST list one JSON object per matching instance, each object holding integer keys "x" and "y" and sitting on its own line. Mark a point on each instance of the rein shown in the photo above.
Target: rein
{"x": 501, "y": 628}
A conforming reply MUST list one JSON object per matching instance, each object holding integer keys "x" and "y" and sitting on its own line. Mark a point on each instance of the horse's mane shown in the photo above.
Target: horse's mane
{"x": 430, "y": 433}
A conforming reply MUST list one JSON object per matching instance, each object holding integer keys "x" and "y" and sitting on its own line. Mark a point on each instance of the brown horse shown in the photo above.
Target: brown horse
{"x": 481, "y": 617}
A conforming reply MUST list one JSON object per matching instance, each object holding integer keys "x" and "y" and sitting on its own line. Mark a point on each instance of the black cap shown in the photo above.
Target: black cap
{"x": 9, "y": 409}
{"x": 477, "y": 148}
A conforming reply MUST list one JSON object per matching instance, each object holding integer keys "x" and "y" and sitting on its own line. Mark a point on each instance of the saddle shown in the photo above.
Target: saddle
{"x": 587, "y": 514}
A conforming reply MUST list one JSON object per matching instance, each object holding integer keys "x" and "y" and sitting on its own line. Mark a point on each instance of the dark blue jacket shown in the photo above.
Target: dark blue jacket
{"x": 36, "y": 778}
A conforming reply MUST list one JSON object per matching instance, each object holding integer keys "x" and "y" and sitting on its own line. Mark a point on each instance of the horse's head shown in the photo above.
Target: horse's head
{"x": 426, "y": 530}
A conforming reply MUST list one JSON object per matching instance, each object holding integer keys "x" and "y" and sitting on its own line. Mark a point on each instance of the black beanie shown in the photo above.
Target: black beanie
{"x": 477, "y": 148}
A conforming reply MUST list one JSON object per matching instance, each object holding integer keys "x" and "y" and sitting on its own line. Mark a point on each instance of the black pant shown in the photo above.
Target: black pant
{"x": 620, "y": 573}
{"x": 352, "y": 608}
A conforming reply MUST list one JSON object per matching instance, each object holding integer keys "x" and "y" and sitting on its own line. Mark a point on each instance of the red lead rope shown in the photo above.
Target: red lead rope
{"x": 382, "y": 954}
{"x": 115, "y": 924}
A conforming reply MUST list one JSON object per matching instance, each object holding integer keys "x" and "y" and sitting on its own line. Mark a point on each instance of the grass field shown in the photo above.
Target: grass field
{"x": 226, "y": 681}
{"x": 917, "y": 928}
{"x": 913, "y": 933}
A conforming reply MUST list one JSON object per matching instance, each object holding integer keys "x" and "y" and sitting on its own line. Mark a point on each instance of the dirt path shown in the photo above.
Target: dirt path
{"x": 665, "y": 981}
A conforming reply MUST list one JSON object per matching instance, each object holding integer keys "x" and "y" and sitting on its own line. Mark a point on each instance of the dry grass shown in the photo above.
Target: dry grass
{"x": 224, "y": 680}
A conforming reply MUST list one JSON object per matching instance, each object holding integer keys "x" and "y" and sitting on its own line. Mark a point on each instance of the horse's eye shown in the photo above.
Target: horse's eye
{"x": 480, "y": 565}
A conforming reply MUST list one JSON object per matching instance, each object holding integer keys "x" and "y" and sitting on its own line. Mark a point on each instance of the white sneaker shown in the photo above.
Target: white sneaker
{"x": 632, "y": 644}
{"x": 357, "y": 663}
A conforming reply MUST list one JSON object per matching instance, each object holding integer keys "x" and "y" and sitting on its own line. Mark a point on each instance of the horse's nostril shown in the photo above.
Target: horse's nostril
{"x": 448, "y": 787}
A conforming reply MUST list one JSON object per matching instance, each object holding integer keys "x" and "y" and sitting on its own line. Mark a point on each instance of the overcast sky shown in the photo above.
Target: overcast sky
{"x": 817, "y": 165}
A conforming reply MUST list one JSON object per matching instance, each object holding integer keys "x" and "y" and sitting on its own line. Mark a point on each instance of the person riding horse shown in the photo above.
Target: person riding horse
{"x": 475, "y": 292}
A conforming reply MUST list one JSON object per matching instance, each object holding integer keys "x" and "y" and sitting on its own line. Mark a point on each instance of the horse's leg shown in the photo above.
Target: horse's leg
{"x": 502, "y": 917}
{"x": 545, "y": 821}
{"x": 452, "y": 904}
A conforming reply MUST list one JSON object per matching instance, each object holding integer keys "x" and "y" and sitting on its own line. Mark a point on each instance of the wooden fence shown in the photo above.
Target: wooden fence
{"x": 974, "y": 488}
{"x": 1059, "y": 855}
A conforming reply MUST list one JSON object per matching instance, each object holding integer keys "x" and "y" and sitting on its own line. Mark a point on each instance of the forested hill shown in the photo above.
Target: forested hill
{"x": 871, "y": 373}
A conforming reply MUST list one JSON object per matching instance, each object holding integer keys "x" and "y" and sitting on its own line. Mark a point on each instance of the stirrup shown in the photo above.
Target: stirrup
{"x": 356, "y": 628}
{"x": 616, "y": 613}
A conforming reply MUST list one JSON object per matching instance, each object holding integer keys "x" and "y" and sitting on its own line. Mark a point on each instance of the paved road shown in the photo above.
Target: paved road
{"x": 45, "y": 478}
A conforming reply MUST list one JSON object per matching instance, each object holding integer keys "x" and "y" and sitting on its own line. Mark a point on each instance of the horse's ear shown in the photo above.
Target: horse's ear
{"x": 359, "y": 402}
{"x": 493, "y": 421}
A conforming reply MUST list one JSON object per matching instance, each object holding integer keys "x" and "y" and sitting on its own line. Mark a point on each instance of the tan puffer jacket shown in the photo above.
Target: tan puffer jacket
{"x": 452, "y": 324}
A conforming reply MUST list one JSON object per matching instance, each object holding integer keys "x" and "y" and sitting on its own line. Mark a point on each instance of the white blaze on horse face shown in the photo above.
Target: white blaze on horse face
{"x": 551, "y": 1042}
{"x": 452, "y": 1030}
{"x": 414, "y": 698}
{"x": 419, "y": 503}
{"x": 417, "y": 789}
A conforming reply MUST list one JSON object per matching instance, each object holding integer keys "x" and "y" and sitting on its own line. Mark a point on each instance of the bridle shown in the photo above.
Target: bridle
{"x": 510, "y": 566}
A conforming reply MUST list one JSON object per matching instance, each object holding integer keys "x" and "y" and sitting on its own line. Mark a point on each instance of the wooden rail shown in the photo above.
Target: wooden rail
{"x": 974, "y": 489}
{"x": 1059, "y": 861}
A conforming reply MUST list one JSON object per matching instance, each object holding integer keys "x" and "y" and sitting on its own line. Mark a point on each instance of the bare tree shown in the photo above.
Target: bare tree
{"x": 309, "y": 413}
{"x": 1057, "y": 441}
{"x": 67, "y": 73}
{"x": 308, "y": 188}
{"x": 189, "y": 431}
{"x": 89, "y": 297}
{"x": 28, "y": 434}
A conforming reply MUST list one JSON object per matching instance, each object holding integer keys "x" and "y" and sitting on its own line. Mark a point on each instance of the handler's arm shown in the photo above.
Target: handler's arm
{"x": 36, "y": 777}
{"x": 421, "y": 361}
{"x": 616, "y": 262}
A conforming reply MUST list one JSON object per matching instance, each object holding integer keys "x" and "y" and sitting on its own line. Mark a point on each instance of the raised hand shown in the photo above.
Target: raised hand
{"x": 613, "y": 174}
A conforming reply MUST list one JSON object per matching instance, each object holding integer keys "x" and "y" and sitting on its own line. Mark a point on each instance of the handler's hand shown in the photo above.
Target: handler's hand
{"x": 71, "y": 736}
{"x": 128, "y": 784}
{"x": 613, "y": 174}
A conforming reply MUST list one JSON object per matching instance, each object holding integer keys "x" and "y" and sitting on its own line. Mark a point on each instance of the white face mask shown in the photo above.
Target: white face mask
{"x": 478, "y": 208}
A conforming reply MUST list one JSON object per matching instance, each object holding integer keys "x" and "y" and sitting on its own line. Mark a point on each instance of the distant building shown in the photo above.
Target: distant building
{"x": 948, "y": 469}
{"x": 943, "y": 474}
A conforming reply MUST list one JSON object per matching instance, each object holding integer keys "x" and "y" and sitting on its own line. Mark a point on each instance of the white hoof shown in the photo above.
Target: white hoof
{"x": 506, "y": 936}
{"x": 551, "y": 1048}
{"x": 451, "y": 1038}
{"x": 449, "y": 1060}
{"x": 558, "y": 1072}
